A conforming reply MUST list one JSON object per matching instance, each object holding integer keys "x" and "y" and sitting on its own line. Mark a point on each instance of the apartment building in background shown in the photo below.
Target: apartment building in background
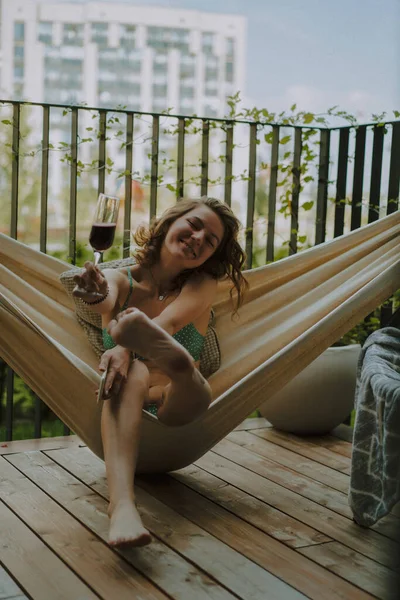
{"x": 108, "y": 54}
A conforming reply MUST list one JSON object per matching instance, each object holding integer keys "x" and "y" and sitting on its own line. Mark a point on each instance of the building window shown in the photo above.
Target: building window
{"x": 210, "y": 111}
{"x": 19, "y": 72}
{"x": 159, "y": 91}
{"x": 208, "y": 42}
{"x": 127, "y": 36}
{"x": 18, "y": 90}
{"x": 230, "y": 48}
{"x": 211, "y": 91}
{"x": 211, "y": 74}
{"x": 229, "y": 72}
{"x": 186, "y": 110}
{"x": 73, "y": 34}
{"x": 165, "y": 38}
{"x": 187, "y": 71}
{"x": 19, "y": 32}
{"x": 18, "y": 54}
{"x": 100, "y": 34}
{"x": 187, "y": 92}
{"x": 45, "y": 32}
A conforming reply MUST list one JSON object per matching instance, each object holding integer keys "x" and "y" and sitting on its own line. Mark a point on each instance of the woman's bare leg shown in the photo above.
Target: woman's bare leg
{"x": 120, "y": 429}
{"x": 188, "y": 395}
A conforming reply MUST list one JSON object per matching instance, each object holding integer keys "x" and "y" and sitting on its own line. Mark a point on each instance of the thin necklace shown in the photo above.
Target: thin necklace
{"x": 161, "y": 296}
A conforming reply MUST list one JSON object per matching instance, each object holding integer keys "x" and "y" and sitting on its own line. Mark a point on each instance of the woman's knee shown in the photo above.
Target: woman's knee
{"x": 138, "y": 377}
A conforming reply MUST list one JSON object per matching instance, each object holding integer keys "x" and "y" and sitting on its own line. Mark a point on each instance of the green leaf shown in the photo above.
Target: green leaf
{"x": 170, "y": 187}
{"x": 285, "y": 139}
{"x": 268, "y": 137}
{"x": 302, "y": 239}
{"x": 308, "y": 118}
{"x": 307, "y": 205}
{"x": 6, "y": 122}
{"x": 293, "y": 107}
{"x": 395, "y": 112}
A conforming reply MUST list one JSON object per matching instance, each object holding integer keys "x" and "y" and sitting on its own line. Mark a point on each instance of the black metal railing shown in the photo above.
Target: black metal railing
{"x": 337, "y": 150}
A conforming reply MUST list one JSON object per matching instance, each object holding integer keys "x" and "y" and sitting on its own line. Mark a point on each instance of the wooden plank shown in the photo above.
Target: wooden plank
{"x": 39, "y": 572}
{"x": 255, "y": 512}
{"x": 331, "y": 443}
{"x": 311, "y": 579}
{"x": 335, "y": 479}
{"x": 363, "y": 572}
{"x": 286, "y": 477}
{"x": 167, "y": 569}
{"x": 226, "y": 565}
{"x": 253, "y": 423}
{"x": 8, "y": 588}
{"x": 98, "y": 565}
{"x": 50, "y": 443}
{"x": 326, "y": 476}
{"x": 305, "y": 448}
{"x": 319, "y": 584}
{"x": 313, "y": 514}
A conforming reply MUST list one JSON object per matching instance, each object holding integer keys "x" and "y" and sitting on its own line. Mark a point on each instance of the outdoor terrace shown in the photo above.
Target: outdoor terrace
{"x": 264, "y": 515}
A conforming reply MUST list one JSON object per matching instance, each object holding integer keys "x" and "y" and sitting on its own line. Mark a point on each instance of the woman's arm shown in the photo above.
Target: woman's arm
{"x": 100, "y": 290}
{"x": 195, "y": 298}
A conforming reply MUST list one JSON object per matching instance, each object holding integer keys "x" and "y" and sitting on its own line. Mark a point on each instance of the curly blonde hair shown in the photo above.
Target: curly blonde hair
{"x": 228, "y": 259}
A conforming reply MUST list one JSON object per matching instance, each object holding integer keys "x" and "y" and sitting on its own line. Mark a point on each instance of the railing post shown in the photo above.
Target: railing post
{"x": 228, "y": 163}
{"x": 15, "y": 170}
{"x": 204, "y": 157}
{"x": 73, "y": 185}
{"x": 251, "y": 194}
{"x": 394, "y": 171}
{"x": 154, "y": 165}
{"x": 341, "y": 182}
{"x": 322, "y": 195}
{"x": 38, "y": 418}
{"x": 358, "y": 178}
{"x": 102, "y": 151}
{"x": 294, "y": 219}
{"x": 272, "y": 193}
{"x": 45, "y": 179}
{"x": 9, "y": 404}
{"x": 181, "y": 158}
{"x": 376, "y": 174}
{"x": 126, "y": 244}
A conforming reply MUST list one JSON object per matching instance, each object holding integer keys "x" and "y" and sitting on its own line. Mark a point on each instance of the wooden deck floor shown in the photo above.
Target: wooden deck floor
{"x": 264, "y": 515}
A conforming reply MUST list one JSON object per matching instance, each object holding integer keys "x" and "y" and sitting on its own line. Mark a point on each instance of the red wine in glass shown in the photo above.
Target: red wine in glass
{"x": 102, "y": 236}
{"x": 104, "y": 224}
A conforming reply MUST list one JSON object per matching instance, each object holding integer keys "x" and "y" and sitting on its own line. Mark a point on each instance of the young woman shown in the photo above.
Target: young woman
{"x": 158, "y": 310}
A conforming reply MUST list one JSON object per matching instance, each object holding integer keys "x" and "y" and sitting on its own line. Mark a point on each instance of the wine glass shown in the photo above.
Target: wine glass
{"x": 104, "y": 224}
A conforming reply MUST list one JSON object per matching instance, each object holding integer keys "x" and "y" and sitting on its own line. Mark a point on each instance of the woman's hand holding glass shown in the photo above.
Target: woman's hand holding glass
{"x": 91, "y": 285}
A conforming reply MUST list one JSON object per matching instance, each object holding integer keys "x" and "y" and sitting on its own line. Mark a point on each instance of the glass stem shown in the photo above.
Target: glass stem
{"x": 98, "y": 258}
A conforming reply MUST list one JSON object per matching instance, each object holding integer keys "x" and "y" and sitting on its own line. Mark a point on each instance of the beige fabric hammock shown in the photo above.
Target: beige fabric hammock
{"x": 294, "y": 310}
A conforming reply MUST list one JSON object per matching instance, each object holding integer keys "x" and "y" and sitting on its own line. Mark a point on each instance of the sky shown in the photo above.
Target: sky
{"x": 315, "y": 53}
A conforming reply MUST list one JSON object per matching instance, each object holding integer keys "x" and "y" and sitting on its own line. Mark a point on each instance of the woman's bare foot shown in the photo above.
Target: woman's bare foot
{"x": 126, "y": 527}
{"x": 134, "y": 330}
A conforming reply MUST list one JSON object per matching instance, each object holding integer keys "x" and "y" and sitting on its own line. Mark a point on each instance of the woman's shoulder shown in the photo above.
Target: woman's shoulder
{"x": 201, "y": 283}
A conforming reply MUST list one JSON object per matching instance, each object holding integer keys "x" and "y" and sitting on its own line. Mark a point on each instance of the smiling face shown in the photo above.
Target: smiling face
{"x": 194, "y": 236}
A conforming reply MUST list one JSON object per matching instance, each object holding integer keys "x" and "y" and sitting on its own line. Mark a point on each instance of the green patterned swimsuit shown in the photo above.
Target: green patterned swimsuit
{"x": 188, "y": 337}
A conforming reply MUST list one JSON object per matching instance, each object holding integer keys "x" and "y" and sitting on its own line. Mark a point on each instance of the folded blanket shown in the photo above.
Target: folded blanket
{"x": 375, "y": 466}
